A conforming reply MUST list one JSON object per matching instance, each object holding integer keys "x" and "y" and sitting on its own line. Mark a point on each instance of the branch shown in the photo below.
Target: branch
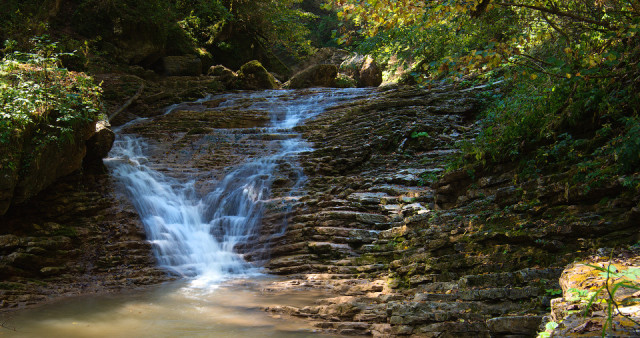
{"x": 128, "y": 103}
{"x": 557, "y": 12}
{"x": 556, "y": 27}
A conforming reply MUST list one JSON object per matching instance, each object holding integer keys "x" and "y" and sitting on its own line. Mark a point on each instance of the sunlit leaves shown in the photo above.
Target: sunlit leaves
{"x": 577, "y": 33}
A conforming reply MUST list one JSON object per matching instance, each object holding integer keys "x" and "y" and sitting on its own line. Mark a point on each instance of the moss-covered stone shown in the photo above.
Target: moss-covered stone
{"x": 252, "y": 75}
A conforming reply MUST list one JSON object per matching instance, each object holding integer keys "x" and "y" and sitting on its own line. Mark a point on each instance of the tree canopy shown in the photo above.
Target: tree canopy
{"x": 570, "y": 73}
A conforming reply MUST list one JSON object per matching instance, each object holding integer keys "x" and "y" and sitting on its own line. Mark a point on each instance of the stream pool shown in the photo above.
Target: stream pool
{"x": 173, "y": 309}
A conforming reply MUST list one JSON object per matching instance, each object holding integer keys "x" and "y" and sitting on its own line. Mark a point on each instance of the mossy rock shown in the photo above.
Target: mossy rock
{"x": 253, "y": 76}
{"x": 344, "y": 81}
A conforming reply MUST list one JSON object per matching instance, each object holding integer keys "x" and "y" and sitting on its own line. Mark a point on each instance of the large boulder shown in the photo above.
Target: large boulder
{"x": 183, "y": 65}
{"x": 253, "y": 76}
{"x": 363, "y": 69}
{"x": 314, "y": 76}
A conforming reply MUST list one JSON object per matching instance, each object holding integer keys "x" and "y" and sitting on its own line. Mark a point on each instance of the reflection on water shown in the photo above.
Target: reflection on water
{"x": 171, "y": 310}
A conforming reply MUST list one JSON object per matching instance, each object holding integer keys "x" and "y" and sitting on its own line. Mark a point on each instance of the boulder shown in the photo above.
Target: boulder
{"x": 183, "y": 65}
{"x": 43, "y": 164}
{"x": 314, "y": 76}
{"x": 253, "y": 76}
{"x": 370, "y": 73}
{"x": 363, "y": 69}
{"x": 99, "y": 145}
{"x": 220, "y": 70}
{"x": 223, "y": 74}
{"x": 343, "y": 81}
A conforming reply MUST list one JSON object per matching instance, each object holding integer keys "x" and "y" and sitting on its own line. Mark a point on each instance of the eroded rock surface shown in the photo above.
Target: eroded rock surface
{"x": 407, "y": 250}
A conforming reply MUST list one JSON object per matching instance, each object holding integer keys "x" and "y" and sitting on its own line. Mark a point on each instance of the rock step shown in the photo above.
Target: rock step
{"x": 505, "y": 279}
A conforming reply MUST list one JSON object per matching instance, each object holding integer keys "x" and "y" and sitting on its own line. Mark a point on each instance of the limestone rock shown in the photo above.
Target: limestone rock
{"x": 526, "y": 325}
{"x": 100, "y": 143}
{"x": 363, "y": 69}
{"x": 253, "y": 76}
{"x": 370, "y": 73}
{"x": 222, "y": 71}
{"x": 314, "y": 76}
{"x": 182, "y": 65}
{"x": 44, "y": 164}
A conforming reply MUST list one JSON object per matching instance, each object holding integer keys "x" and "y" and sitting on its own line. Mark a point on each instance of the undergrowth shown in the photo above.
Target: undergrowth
{"x": 544, "y": 123}
{"x": 41, "y": 99}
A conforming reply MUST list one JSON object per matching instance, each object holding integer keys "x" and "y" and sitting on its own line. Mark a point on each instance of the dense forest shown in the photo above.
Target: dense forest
{"x": 557, "y": 82}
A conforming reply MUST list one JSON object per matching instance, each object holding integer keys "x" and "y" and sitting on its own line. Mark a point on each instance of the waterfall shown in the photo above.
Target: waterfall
{"x": 194, "y": 234}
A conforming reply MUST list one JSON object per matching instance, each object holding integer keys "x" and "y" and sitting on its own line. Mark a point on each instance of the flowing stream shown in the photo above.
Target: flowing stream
{"x": 195, "y": 229}
{"x": 196, "y": 234}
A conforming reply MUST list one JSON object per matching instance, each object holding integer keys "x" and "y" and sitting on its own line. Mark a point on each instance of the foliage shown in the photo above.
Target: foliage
{"x": 548, "y": 329}
{"x": 202, "y": 19}
{"x": 459, "y": 37}
{"x": 628, "y": 278}
{"x": 279, "y": 23}
{"x": 40, "y": 98}
{"x": 569, "y": 73}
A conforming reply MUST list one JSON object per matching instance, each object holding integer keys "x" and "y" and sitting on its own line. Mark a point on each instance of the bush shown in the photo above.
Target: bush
{"x": 38, "y": 96}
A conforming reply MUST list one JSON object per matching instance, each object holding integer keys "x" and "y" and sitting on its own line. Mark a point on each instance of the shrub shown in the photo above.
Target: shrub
{"x": 38, "y": 96}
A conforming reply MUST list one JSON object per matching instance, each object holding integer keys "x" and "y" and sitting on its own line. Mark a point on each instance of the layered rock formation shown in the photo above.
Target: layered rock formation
{"x": 407, "y": 253}
{"x": 400, "y": 245}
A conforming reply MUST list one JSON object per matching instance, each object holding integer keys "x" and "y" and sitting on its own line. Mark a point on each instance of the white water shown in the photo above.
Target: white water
{"x": 195, "y": 235}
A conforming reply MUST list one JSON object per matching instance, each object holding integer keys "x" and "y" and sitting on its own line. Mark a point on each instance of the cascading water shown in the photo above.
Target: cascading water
{"x": 195, "y": 234}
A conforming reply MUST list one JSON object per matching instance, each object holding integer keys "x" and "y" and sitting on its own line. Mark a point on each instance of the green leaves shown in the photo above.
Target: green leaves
{"x": 36, "y": 94}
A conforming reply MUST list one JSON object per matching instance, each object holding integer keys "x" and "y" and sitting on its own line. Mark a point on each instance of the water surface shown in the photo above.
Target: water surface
{"x": 170, "y": 310}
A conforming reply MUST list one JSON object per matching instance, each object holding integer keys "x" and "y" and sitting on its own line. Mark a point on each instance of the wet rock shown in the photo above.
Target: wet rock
{"x": 367, "y": 198}
{"x": 371, "y": 218}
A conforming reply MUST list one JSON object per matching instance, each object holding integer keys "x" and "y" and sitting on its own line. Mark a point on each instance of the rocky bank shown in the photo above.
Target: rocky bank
{"x": 408, "y": 248}
{"x": 400, "y": 245}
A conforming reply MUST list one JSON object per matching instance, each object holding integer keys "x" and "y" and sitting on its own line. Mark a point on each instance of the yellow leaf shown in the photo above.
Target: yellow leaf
{"x": 568, "y": 76}
{"x": 534, "y": 76}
